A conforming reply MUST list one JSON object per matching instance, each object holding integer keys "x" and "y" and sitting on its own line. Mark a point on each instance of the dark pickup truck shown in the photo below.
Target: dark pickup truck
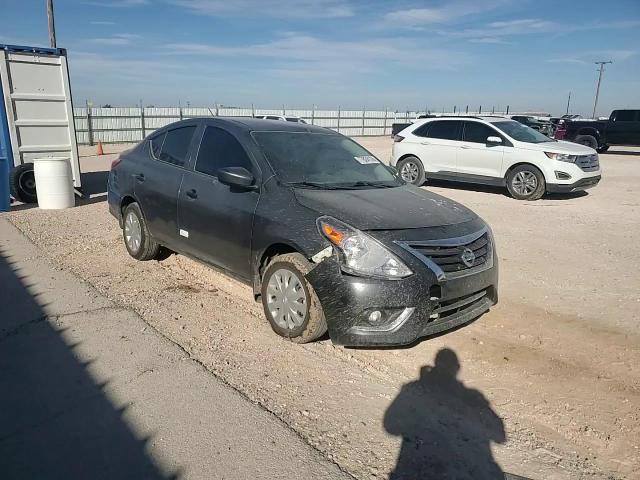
{"x": 622, "y": 128}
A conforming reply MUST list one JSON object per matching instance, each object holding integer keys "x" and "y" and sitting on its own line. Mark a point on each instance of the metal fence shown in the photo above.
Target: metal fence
{"x": 132, "y": 124}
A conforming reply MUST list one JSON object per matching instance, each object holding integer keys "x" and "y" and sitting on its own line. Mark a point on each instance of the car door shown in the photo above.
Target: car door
{"x": 476, "y": 157}
{"x": 622, "y": 128}
{"x": 437, "y": 143}
{"x": 216, "y": 219}
{"x": 157, "y": 177}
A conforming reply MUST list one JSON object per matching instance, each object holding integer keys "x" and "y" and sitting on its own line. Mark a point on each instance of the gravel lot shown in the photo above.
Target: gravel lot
{"x": 557, "y": 360}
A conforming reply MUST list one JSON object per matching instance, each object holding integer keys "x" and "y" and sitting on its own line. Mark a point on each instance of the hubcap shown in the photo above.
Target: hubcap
{"x": 27, "y": 182}
{"x": 132, "y": 232}
{"x": 409, "y": 172}
{"x": 525, "y": 183}
{"x": 286, "y": 299}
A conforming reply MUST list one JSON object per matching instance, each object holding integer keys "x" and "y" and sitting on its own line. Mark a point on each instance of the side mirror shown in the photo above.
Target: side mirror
{"x": 494, "y": 141}
{"x": 236, "y": 176}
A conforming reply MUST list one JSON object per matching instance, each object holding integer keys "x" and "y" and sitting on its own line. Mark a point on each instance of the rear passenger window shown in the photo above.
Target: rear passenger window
{"x": 625, "y": 116}
{"x": 421, "y": 131}
{"x": 155, "y": 145}
{"x": 477, "y": 132}
{"x": 445, "y": 129}
{"x": 220, "y": 149}
{"x": 176, "y": 145}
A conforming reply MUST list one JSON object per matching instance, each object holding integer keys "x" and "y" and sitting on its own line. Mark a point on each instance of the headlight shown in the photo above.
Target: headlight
{"x": 361, "y": 254}
{"x": 563, "y": 157}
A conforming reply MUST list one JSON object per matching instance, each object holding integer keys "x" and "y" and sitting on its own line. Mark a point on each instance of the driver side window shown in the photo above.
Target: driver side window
{"x": 219, "y": 149}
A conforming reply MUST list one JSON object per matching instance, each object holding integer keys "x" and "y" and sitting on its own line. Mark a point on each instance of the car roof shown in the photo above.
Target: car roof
{"x": 251, "y": 124}
{"x": 486, "y": 118}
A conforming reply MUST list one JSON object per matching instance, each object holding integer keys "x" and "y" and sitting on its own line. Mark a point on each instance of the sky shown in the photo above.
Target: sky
{"x": 528, "y": 54}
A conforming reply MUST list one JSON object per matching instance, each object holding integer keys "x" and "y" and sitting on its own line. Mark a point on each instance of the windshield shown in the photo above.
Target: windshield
{"x": 522, "y": 133}
{"x": 319, "y": 160}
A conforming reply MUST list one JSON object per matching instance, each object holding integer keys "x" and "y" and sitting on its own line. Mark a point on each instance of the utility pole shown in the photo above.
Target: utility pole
{"x": 595, "y": 104}
{"x": 52, "y": 26}
{"x": 568, "y": 102}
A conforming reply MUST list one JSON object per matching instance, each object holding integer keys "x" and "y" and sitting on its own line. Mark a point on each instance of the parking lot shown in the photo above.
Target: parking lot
{"x": 557, "y": 360}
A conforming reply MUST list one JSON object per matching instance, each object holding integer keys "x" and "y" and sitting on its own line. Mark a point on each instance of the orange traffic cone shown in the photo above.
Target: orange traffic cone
{"x": 100, "y": 150}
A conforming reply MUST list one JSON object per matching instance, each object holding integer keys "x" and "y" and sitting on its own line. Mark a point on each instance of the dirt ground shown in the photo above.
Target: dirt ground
{"x": 549, "y": 379}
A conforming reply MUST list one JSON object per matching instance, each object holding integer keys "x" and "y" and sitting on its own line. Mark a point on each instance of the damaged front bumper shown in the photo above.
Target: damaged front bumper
{"x": 423, "y": 304}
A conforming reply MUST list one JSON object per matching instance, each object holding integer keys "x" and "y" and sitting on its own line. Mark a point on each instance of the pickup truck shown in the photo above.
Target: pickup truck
{"x": 622, "y": 128}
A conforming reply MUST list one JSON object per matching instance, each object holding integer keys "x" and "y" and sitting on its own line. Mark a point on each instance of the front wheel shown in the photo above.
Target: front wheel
{"x": 411, "y": 170}
{"x": 290, "y": 303}
{"x": 526, "y": 182}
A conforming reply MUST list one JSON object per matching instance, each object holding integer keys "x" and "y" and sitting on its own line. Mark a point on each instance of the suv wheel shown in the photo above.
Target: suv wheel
{"x": 602, "y": 149}
{"x": 411, "y": 170}
{"x": 587, "y": 140}
{"x": 136, "y": 235}
{"x": 290, "y": 303}
{"x": 526, "y": 182}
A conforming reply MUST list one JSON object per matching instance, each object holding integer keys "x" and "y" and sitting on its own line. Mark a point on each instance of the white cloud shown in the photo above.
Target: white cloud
{"x": 270, "y": 8}
{"x": 115, "y": 39}
{"x": 117, "y": 3}
{"x": 490, "y": 40}
{"x": 313, "y": 54}
{"x": 592, "y": 56}
{"x": 101, "y": 22}
{"x": 418, "y": 17}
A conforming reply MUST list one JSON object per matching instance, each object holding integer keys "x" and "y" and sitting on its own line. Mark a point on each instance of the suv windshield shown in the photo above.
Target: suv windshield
{"x": 319, "y": 160}
{"x": 522, "y": 133}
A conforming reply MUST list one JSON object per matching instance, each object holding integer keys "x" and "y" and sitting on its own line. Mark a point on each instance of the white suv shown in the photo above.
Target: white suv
{"x": 493, "y": 151}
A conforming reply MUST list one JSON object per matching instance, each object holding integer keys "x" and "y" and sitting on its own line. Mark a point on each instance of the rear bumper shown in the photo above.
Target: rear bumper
{"x": 415, "y": 307}
{"x": 579, "y": 185}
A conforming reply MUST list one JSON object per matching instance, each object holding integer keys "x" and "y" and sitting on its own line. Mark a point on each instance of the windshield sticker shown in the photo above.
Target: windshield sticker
{"x": 366, "y": 159}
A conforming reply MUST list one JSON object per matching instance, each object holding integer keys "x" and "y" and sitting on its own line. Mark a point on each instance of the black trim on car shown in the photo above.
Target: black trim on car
{"x": 582, "y": 184}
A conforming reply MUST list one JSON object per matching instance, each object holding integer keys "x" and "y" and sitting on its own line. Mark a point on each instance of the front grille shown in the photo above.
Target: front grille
{"x": 588, "y": 163}
{"x": 456, "y": 306}
{"x": 450, "y": 258}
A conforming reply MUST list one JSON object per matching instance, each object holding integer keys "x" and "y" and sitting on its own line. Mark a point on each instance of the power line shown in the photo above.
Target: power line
{"x": 601, "y": 69}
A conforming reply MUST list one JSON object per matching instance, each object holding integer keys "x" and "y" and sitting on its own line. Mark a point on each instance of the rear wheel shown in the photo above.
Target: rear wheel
{"x": 290, "y": 303}
{"x": 136, "y": 235}
{"x": 526, "y": 182}
{"x": 411, "y": 170}
{"x": 587, "y": 140}
{"x": 23, "y": 183}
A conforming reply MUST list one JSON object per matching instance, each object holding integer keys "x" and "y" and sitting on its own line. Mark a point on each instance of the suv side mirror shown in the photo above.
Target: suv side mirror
{"x": 494, "y": 141}
{"x": 236, "y": 176}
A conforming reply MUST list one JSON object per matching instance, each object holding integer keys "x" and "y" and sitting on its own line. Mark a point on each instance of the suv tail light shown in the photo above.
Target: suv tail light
{"x": 115, "y": 162}
{"x": 398, "y": 138}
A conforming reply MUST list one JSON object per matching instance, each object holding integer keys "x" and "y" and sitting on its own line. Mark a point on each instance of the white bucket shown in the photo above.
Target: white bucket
{"x": 54, "y": 183}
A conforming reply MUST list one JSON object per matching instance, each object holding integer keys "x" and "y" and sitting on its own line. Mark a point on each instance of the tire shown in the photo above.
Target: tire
{"x": 411, "y": 170}
{"x": 526, "y": 182}
{"x": 305, "y": 321}
{"x": 602, "y": 149}
{"x": 587, "y": 140}
{"x": 145, "y": 248}
{"x": 23, "y": 183}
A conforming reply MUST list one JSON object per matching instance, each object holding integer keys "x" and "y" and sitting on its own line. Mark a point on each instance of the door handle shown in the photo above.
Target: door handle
{"x": 425, "y": 143}
{"x": 139, "y": 177}
{"x": 466, "y": 147}
{"x": 192, "y": 194}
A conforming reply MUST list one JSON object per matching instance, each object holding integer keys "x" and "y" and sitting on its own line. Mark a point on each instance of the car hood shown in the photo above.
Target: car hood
{"x": 385, "y": 208}
{"x": 559, "y": 147}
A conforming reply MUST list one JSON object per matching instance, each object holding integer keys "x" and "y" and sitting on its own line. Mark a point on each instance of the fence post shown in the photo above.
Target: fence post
{"x": 507, "y": 109}
{"x": 384, "y": 128}
{"x": 466, "y": 110}
{"x": 338, "y": 129}
{"x": 283, "y": 110}
{"x": 313, "y": 113}
{"x": 363, "y": 114}
{"x": 89, "y": 125}
{"x": 480, "y": 110}
{"x": 217, "y": 111}
{"x": 180, "y": 109}
{"x": 144, "y": 132}
{"x": 253, "y": 111}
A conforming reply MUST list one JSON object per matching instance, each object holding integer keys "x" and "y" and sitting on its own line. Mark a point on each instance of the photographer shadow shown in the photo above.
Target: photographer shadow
{"x": 446, "y": 427}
